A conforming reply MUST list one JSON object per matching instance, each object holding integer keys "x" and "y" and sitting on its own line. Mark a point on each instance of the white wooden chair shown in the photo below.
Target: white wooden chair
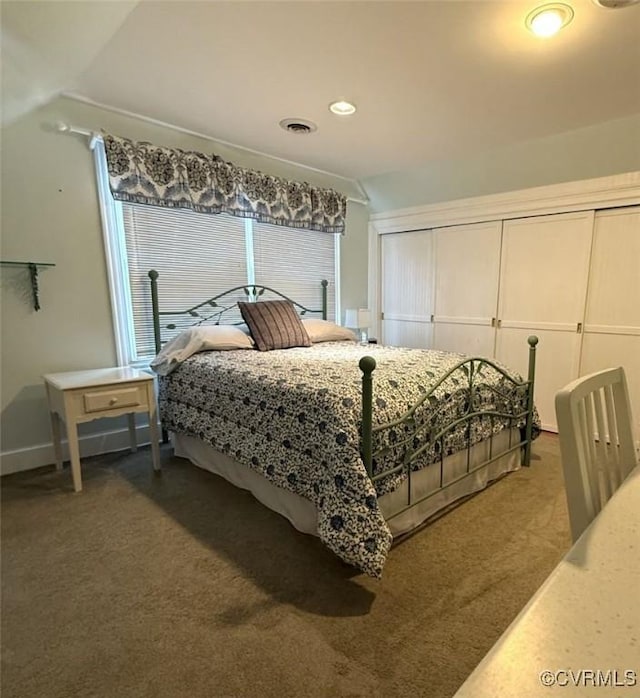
{"x": 596, "y": 442}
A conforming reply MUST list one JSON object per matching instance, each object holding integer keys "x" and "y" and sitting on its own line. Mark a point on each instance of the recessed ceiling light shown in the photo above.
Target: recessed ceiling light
{"x": 548, "y": 20}
{"x": 342, "y": 108}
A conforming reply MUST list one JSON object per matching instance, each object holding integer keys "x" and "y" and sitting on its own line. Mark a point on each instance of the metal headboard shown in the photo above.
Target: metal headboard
{"x": 214, "y": 309}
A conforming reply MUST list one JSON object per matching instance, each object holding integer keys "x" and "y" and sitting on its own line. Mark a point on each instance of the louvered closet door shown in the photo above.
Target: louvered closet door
{"x": 407, "y": 289}
{"x": 467, "y": 262}
{"x": 612, "y": 319}
{"x": 543, "y": 284}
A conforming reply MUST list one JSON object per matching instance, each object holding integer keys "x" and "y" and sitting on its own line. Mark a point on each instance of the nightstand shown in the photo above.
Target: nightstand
{"x": 82, "y": 396}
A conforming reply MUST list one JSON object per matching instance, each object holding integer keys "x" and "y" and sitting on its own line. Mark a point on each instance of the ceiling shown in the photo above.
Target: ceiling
{"x": 432, "y": 80}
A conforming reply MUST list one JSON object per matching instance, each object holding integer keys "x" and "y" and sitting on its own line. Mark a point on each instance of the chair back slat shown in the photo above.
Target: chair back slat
{"x": 613, "y": 439}
{"x": 590, "y": 473}
{"x": 596, "y": 442}
{"x": 613, "y": 436}
{"x": 604, "y": 474}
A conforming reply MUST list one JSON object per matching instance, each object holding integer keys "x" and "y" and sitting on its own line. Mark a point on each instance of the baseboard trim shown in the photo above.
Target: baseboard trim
{"x": 39, "y": 455}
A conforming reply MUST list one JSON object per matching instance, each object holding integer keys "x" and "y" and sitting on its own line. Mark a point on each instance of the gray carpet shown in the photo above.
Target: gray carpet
{"x": 182, "y": 585}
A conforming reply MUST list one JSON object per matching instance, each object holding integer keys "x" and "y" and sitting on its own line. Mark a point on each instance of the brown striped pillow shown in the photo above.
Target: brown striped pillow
{"x": 274, "y": 325}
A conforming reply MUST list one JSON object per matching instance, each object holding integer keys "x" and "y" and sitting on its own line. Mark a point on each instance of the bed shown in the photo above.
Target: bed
{"x": 357, "y": 444}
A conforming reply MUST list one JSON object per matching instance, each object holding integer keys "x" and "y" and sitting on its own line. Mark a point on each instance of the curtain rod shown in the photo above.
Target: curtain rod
{"x": 63, "y": 127}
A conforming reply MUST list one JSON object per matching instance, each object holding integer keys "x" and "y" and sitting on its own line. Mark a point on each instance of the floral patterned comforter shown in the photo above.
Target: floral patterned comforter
{"x": 293, "y": 415}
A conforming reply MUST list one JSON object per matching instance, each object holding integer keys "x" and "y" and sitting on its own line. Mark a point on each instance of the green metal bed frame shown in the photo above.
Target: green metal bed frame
{"x": 213, "y": 310}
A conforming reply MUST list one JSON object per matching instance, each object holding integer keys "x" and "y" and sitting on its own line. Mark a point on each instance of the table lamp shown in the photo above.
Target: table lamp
{"x": 359, "y": 319}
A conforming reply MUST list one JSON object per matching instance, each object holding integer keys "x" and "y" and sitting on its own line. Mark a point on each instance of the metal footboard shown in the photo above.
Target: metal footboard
{"x": 419, "y": 438}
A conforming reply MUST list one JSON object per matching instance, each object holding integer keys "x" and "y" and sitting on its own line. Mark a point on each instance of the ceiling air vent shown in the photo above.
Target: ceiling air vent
{"x": 615, "y": 4}
{"x": 298, "y": 125}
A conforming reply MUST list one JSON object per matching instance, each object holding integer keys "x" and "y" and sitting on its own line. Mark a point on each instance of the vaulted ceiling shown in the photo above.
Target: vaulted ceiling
{"x": 431, "y": 80}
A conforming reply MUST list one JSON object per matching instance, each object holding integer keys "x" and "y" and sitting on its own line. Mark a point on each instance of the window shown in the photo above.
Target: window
{"x": 294, "y": 262}
{"x": 198, "y": 256}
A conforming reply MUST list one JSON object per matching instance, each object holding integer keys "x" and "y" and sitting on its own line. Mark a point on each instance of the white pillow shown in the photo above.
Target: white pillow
{"x": 196, "y": 339}
{"x": 326, "y": 331}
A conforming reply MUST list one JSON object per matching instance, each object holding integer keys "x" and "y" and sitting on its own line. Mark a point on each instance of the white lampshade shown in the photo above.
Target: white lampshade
{"x": 358, "y": 318}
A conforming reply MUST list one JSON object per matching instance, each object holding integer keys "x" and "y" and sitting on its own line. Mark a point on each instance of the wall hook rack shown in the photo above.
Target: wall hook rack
{"x": 33, "y": 276}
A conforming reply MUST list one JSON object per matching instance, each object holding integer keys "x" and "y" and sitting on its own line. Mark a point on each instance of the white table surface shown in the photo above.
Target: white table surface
{"x": 586, "y": 616}
{"x": 96, "y": 376}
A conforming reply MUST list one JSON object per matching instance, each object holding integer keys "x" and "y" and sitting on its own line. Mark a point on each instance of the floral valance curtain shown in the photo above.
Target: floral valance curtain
{"x": 143, "y": 173}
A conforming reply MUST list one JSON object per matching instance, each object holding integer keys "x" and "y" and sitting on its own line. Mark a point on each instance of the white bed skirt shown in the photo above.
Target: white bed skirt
{"x": 302, "y": 513}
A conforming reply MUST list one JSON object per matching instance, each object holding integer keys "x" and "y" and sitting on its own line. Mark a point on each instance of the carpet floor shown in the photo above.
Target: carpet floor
{"x": 181, "y": 585}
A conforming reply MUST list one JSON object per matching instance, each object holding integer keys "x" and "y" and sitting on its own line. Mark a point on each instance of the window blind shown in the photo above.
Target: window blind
{"x": 197, "y": 256}
{"x": 294, "y": 262}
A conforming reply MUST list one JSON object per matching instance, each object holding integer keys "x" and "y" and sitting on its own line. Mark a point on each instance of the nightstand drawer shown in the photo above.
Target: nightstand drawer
{"x": 113, "y": 398}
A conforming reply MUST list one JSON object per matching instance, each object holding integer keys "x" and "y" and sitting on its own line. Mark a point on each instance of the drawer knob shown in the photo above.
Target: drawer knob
{"x": 113, "y": 400}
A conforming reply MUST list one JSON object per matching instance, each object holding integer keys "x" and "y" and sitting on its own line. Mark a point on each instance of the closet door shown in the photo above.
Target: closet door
{"x": 543, "y": 284}
{"x": 467, "y": 261}
{"x": 407, "y": 288}
{"x": 612, "y": 318}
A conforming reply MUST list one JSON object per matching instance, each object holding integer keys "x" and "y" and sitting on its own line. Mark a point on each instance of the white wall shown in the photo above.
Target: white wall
{"x": 606, "y": 149}
{"x": 50, "y": 214}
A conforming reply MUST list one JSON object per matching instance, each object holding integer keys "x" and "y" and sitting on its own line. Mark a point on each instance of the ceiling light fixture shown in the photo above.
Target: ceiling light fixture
{"x": 548, "y": 20}
{"x": 342, "y": 108}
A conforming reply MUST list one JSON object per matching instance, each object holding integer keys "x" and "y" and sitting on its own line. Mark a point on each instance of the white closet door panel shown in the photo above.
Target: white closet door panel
{"x": 601, "y": 351}
{"x": 407, "y": 274}
{"x": 467, "y": 259}
{"x": 399, "y": 333}
{"x": 543, "y": 286}
{"x": 467, "y": 262}
{"x": 613, "y": 300}
{"x": 545, "y": 266}
{"x": 473, "y": 339}
{"x": 557, "y": 358}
